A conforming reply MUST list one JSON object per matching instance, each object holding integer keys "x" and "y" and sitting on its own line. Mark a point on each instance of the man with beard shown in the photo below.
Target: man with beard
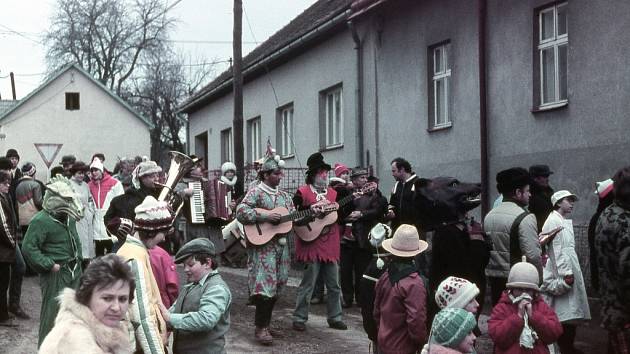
{"x": 512, "y": 229}
{"x": 53, "y": 249}
{"x": 321, "y": 254}
{"x": 540, "y": 201}
{"x": 267, "y": 264}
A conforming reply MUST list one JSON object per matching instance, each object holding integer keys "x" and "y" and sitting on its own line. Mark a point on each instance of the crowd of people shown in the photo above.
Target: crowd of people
{"x": 417, "y": 263}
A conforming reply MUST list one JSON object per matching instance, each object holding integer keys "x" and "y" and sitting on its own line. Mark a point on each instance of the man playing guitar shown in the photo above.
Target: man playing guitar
{"x": 321, "y": 254}
{"x": 268, "y": 263}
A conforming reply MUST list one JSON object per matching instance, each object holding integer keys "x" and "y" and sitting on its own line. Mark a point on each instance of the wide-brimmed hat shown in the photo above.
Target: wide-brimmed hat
{"x": 315, "y": 163}
{"x": 359, "y": 171}
{"x": 406, "y": 242}
{"x": 559, "y": 195}
{"x": 540, "y": 170}
{"x": 523, "y": 275}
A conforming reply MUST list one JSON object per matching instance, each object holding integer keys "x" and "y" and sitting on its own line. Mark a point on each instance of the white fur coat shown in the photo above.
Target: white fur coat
{"x": 77, "y": 330}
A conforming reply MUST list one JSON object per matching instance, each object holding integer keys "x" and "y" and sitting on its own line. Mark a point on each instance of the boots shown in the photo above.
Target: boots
{"x": 262, "y": 336}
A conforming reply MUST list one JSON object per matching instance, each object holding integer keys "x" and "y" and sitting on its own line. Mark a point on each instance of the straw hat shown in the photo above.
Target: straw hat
{"x": 406, "y": 242}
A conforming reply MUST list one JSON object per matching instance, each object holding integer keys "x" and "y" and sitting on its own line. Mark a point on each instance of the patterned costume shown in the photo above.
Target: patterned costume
{"x": 52, "y": 240}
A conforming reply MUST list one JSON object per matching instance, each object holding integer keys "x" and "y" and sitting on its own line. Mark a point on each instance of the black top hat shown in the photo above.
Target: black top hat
{"x": 540, "y": 170}
{"x": 316, "y": 162}
{"x": 511, "y": 179}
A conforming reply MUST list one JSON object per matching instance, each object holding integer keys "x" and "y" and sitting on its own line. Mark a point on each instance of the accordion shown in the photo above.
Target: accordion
{"x": 220, "y": 199}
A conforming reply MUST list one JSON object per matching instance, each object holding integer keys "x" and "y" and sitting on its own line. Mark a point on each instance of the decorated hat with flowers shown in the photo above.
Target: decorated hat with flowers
{"x": 271, "y": 160}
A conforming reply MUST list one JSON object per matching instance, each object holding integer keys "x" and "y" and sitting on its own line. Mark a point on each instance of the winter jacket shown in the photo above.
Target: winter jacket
{"x": 78, "y": 331}
{"x": 505, "y": 326}
{"x": 372, "y": 208}
{"x": 540, "y": 203}
{"x": 497, "y": 225}
{"x": 144, "y": 313}
{"x": 8, "y": 231}
{"x": 28, "y": 198}
{"x": 123, "y": 206}
{"x": 85, "y": 226}
{"x": 612, "y": 242}
{"x": 103, "y": 192}
{"x": 165, "y": 274}
{"x": 404, "y": 204}
{"x": 400, "y": 314}
{"x": 571, "y": 302}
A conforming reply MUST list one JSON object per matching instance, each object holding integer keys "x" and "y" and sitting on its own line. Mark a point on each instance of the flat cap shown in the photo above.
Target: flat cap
{"x": 198, "y": 245}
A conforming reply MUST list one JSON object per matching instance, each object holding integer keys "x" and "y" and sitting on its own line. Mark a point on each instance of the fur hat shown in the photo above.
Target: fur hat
{"x": 455, "y": 293}
{"x": 315, "y": 163}
{"x": 29, "y": 169}
{"x": 79, "y": 166}
{"x": 12, "y": 153}
{"x": 603, "y": 188}
{"x": 97, "y": 164}
{"x": 5, "y": 164}
{"x": 559, "y": 195}
{"x": 406, "y": 242}
{"x": 152, "y": 215}
{"x": 196, "y": 246}
{"x": 340, "y": 169}
{"x": 523, "y": 275}
{"x": 451, "y": 326}
{"x": 228, "y": 166}
{"x": 511, "y": 179}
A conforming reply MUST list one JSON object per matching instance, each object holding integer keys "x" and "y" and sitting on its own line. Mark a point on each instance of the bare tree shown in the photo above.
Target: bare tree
{"x": 108, "y": 38}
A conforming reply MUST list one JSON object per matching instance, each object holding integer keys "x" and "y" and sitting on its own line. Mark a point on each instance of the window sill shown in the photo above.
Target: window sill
{"x": 550, "y": 107}
{"x": 440, "y": 127}
{"x": 331, "y": 147}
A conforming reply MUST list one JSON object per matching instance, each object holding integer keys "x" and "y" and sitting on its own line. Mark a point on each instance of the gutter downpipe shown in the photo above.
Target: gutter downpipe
{"x": 263, "y": 61}
{"x": 359, "y": 90}
{"x": 483, "y": 111}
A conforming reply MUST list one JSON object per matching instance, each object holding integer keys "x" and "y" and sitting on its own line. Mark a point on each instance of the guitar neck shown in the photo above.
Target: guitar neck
{"x": 296, "y": 215}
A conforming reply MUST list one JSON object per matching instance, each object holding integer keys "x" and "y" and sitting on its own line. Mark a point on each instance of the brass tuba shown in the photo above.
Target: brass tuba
{"x": 181, "y": 164}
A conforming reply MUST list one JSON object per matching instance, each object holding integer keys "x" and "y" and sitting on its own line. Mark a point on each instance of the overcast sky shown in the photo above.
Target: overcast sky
{"x": 198, "y": 20}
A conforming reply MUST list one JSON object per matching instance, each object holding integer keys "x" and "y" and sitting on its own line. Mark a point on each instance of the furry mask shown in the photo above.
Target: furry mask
{"x": 61, "y": 199}
{"x": 446, "y": 199}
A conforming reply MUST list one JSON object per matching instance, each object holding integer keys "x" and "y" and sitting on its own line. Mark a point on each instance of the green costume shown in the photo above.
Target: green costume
{"x": 52, "y": 239}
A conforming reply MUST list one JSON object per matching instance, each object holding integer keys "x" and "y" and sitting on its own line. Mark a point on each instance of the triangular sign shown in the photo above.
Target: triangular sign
{"x": 48, "y": 152}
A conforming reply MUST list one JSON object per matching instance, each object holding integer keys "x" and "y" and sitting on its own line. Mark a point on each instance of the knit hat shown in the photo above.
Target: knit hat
{"x": 29, "y": 169}
{"x": 340, "y": 169}
{"x": 451, "y": 326}
{"x": 5, "y": 163}
{"x": 455, "y": 293}
{"x": 603, "y": 188}
{"x": 559, "y": 195}
{"x": 378, "y": 234}
{"x": 406, "y": 242}
{"x": 144, "y": 168}
{"x": 152, "y": 215}
{"x": 228, "y": 166}
{"x": 79, "y": 166}
{"x": 511, "y": 179}
{"x": 97, "y": 164}
{"x": 12, "y": 153}
{"x": 523, "y": 275}
{"x": 196, "y": 246}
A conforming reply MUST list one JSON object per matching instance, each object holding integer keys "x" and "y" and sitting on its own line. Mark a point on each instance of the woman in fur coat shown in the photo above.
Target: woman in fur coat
{"x": 90, "y": 318}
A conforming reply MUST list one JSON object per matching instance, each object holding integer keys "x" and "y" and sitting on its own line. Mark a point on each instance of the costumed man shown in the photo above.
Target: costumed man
{"x": 322, "y": 254}
{"x": 85, "y": 226}
{"x": 200, "y": 317}
{"x": 53, "y": 249}
{"x": 104, "y": 188}
{"x": 267, "y": 264}
{"x": 374, "y": 270}
{"x": 356, "y": 252}
{"x": 152, "y": 221}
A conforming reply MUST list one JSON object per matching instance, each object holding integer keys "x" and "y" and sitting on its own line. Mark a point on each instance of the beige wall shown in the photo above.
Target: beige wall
{"x": 101, "y": 124}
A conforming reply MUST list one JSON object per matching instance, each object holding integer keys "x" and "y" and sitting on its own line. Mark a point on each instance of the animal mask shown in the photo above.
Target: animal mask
{"x": 446, "y": 199}
{"x": 61, "y": 199}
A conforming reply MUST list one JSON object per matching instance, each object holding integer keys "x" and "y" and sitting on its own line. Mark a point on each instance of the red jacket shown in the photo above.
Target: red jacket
{"x": 400, "y": 314}
{"x": 165, "y": 275}
{"x": 505, "y": 326}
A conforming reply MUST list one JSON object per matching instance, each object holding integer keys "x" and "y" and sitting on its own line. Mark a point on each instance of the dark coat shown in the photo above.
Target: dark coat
{"x": 372, "y": 207}
{"x": 540, "y": 203}
{"x": 8, "y": 232}
{"x": 367, "y": 294}
{"x": 404, "y": 202}
{"x": 123, "y": 206}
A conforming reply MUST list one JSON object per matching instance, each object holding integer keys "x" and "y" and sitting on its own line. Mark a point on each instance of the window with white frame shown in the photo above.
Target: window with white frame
{"x": 226, "y": 145}
{"x": 285, "y": 130}
{"x": 254, "y": 134}
{"x": 553, "y": 44}
{"x": 332, "y": 105}
{"x": 440, "y": 74}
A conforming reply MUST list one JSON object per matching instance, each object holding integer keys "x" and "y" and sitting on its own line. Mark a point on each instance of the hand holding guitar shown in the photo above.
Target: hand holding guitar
{"x": 273, "y": 218}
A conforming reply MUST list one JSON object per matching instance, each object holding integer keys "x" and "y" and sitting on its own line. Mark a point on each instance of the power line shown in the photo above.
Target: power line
{"x": 192, "y": 41}
{"x": 21, "y": 34}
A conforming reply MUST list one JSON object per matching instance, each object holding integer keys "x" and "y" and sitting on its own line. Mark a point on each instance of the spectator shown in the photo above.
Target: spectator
{"x": 539, "y": 202}
{"x": 605, "y": 198}
{"x": 85, "y": 226}
{"x": 452, "y": 332}
{"x": 103, "y": 188}
{"x": 66, "y": 162}
{"x": 8, "y": 244}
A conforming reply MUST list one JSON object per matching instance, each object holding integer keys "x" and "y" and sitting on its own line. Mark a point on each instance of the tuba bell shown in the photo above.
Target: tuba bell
{"x": 181, "y": 164}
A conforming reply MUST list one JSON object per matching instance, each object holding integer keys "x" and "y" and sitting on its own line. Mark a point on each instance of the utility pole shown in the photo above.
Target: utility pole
{"x": 12, "y": 84}
{"x": 237, "y": 81}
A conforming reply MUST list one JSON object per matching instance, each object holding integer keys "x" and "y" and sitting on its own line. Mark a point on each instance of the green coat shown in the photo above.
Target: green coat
{"x": 46, "y": 243}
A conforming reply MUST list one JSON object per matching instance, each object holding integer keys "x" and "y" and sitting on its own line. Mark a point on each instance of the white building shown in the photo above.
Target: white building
{"x": 77, "y": 114}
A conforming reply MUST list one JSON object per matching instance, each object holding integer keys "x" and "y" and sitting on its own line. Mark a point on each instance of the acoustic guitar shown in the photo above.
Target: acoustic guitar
{"x": 312, "y": 230}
